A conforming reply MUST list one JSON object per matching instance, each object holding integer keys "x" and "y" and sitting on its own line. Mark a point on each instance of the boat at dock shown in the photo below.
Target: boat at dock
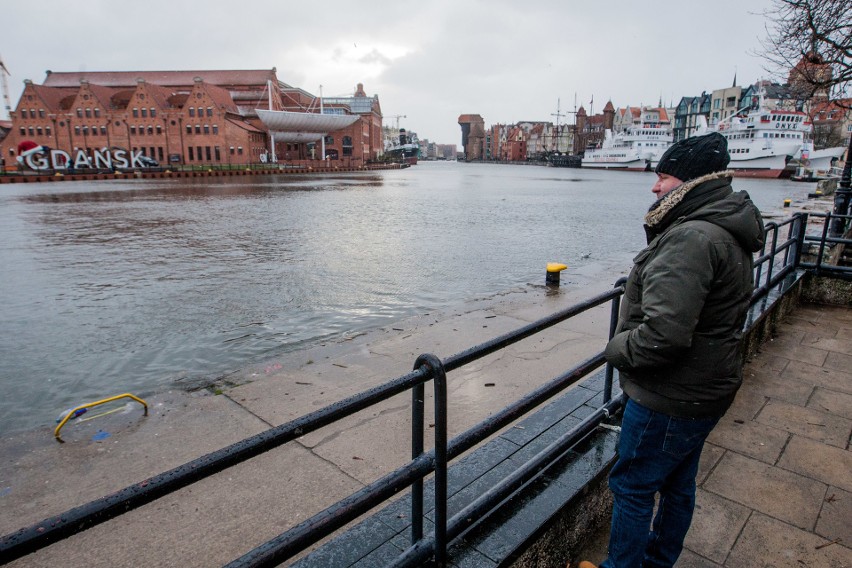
{"x": 634, "y": 149}
{"x": 404, "y": 149}
{"x": 761, "y": 141}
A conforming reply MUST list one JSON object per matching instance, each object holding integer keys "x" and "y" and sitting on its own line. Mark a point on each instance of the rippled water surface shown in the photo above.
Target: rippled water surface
{"x": 130, "y": 285}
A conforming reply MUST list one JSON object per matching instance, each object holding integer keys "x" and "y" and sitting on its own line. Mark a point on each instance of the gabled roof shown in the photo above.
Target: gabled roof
{"x": 52, "y": 97}
{"x": 245, "y": 77}
{"x": 220, "y": 96}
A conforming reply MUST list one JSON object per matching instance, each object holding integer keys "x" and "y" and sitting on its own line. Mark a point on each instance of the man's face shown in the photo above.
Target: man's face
{"x": 665, "y": 183}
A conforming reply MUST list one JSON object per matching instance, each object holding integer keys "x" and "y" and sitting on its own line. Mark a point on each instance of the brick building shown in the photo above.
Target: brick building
{"x": 183, "y": 117}
{"x": 590, "y": 130}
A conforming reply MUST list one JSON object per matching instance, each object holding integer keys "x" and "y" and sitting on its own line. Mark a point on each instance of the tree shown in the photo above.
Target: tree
{"x": 813, "y": 40}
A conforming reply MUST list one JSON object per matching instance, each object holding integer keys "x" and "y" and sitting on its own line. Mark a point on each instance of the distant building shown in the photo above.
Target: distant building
{"x": 725, "y": 103}
{"x": 686, "y": 115}
{"x": 473, "y": 136}
{"x": 590, "y": 130}
{"x": 185, "y": 117}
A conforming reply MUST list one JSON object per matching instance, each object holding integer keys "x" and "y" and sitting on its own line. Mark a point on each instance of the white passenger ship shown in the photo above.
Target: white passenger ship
{"x": 762, "y": 141}
{"x": 633, "y": 149}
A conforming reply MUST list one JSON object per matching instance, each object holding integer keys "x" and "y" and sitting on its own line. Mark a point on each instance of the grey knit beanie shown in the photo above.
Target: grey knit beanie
{"x": 694, "y": 157}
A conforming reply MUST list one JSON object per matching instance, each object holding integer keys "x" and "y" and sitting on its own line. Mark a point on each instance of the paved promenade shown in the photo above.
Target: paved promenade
{"x": 775, "y": 482}
{"x": 776, "y": 487}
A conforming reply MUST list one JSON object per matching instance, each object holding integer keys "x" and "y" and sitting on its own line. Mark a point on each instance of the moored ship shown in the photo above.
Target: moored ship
{"x": 634, "y": 149}
{"x": 405, "y": 149}
{"x": 761, "y": 142}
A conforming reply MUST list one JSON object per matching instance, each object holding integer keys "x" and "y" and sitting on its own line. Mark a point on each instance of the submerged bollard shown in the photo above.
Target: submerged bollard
{"x": 787, "y": 202}
{"x": 553, "y": 270}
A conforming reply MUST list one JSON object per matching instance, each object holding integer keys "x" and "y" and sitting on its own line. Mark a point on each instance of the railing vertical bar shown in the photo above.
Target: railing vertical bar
{"x": 439, "y": 377}
{"x": 800, "y": 238}
{"x": 773, "y": 250}
{"x": 822, "y": 241}
{"x": 613, "y": 323}
{"x": 417, "y": 420}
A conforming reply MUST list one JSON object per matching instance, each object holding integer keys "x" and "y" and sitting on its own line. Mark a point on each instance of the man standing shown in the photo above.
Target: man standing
{"x": 677, "y": 346}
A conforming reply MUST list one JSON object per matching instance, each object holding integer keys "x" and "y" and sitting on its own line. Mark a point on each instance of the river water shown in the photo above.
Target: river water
{"x": 137, "y": 285}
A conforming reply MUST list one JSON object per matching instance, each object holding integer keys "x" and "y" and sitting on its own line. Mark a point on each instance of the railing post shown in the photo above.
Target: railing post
{"x": 439, "y": 377}
{"x": 821, "y": 251}
{"x": 802, "y": 219}
{"x": 613, "y": 323}
{"x": 417, "y": 394}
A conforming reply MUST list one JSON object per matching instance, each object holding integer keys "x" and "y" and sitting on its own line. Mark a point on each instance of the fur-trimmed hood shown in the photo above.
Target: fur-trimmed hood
{"x": 709, "y": 198}
{"x": 667, "y": 202}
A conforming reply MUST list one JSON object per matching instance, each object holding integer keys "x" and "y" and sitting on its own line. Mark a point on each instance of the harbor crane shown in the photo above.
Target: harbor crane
{"x": 4, "y": 84}
{"x": 397, "y": 117}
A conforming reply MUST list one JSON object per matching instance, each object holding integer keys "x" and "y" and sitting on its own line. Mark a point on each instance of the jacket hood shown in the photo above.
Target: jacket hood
{"x": 709, "y": 198}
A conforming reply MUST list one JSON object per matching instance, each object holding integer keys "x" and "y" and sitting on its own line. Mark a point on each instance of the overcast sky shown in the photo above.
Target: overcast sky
{"x": 429, "y": 60}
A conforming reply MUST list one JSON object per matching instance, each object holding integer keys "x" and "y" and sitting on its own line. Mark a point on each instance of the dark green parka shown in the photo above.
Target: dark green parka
{"x": 677, "y": 345}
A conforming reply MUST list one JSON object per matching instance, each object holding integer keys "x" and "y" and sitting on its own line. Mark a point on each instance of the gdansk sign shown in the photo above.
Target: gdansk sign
{"x": 41, "y": 158}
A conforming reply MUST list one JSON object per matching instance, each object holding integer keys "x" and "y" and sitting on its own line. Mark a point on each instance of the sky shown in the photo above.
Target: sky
{"x": 428, "y": 62}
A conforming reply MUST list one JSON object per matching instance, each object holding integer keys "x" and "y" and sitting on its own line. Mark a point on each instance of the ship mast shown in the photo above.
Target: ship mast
{"x": 557, "y": 114}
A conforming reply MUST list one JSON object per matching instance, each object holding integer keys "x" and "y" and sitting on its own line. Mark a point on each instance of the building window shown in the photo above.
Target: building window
{"x": 88, "y": 113}
{"x": 215, "y": 129}
{"x": 240, "y": 150}
{"x": 329, "y": 139}
{"x": 150, "y": 131}
{"x": 207, "y": 153}
{"x": 40, "y": 131}
{"x": 144, "y": 113}
{"x": 47, "y": 129}
{"x": 85, "y": 131}
{"x": 153, "y": 113}
{"x": 159, "y": 130}
{"x": 32, "y": 130}
{"x": 103, "y": 131}
{"x": 232, "y": 148}
{"x": 218, "y": 153}
{"x": 206, "y": 129}
{"x": 23, "y": 131}
{"x": 97, "y": 113}
{"x": 191, "y": 154}
{"x": 209, "y": 111}
{"x": 79, "y": 113}
{"x": 41, "y": 113}
{"x": 189, "y": 129}
{"x": 347, "y": 146}
{"x": 198, "y": 129}
{"x": 191, "y": 111}
{"x": 133, "y": 130}
{"x": 77, "y": 130}
{"x": 135, "y": 113}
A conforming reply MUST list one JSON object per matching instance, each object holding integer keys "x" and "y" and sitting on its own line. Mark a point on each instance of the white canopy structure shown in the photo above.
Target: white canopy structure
{"x": 299, "y": 127}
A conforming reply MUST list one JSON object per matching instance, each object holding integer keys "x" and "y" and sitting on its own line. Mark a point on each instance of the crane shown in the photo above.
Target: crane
{"x": 397, "y": 117}
{"x": 7, "y": 103}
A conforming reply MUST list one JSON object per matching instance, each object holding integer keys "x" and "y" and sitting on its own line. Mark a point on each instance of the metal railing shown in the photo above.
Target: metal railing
{"x": 775, "y": 263}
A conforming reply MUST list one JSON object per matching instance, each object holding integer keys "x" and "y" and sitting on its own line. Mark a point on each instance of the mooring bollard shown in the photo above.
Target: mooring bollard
{"x": 553, "y": 270}
{"x": 787, "y": 202}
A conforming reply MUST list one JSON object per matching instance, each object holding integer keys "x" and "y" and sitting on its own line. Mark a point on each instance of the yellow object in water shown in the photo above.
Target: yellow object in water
{"x": 556, "y": 267}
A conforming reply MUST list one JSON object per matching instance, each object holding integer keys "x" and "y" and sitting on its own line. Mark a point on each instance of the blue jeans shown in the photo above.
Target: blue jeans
{"x": 657, "y": 453}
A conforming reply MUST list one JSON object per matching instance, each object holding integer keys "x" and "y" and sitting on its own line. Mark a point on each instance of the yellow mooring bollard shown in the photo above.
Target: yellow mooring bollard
{"x": 787, "y": 202}
{"x": 553, "y": 270}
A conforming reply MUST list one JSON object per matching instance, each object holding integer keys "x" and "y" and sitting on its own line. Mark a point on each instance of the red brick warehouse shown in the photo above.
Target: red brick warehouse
{"x": 188, "y": 117}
